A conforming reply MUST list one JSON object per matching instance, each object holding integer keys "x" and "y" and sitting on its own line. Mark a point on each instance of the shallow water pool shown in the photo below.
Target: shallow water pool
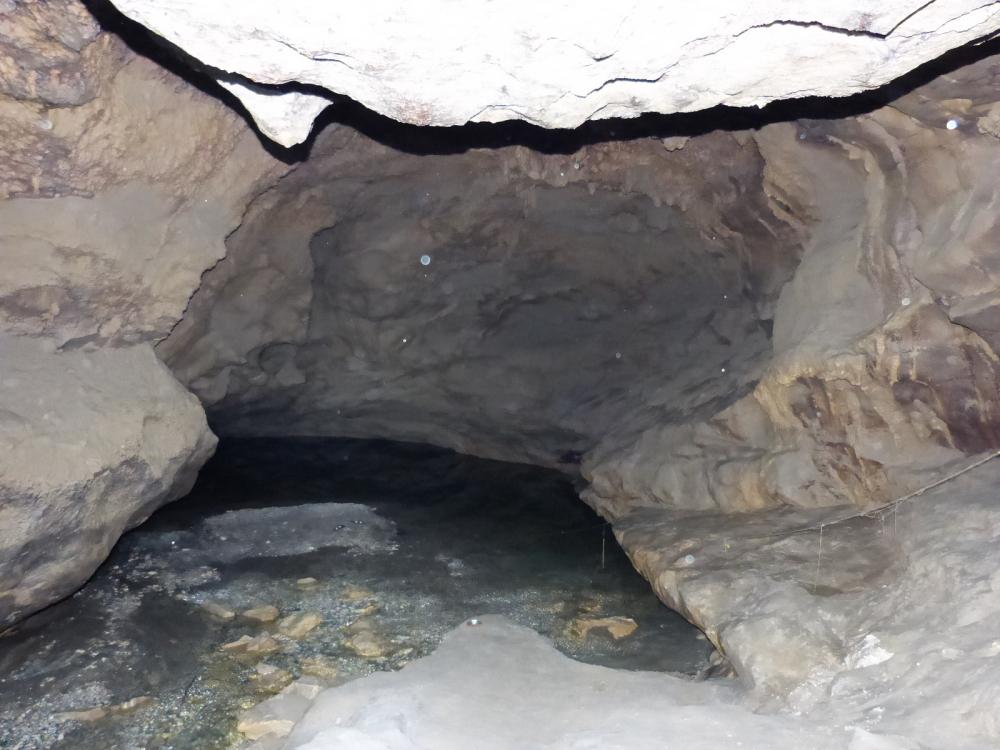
{"x": 387, "y": 545}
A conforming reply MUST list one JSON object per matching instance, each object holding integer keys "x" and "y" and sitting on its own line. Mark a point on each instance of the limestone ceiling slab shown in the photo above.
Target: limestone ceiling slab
{"x": 556, "y": 63}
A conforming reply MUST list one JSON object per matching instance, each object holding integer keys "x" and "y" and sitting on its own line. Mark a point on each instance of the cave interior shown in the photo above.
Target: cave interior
{"x": 744, "y": 337}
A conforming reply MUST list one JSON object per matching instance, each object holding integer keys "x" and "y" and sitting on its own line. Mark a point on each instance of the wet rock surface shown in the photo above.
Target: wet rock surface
{"x": 886, "y": 621}
{"x": 881, "y": 372}
{"x": 120, "y": 181}
{"x": 499, "y": 686}
{"x": 441, "y": 538}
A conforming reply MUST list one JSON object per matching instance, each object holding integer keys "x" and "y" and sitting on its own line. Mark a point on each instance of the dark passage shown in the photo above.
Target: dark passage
{"x": 404, "y": 543}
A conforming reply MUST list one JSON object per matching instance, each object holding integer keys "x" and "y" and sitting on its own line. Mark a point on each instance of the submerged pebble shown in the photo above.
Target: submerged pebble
{"x": 299, "y": 625}
{"x": 265, "y": 614}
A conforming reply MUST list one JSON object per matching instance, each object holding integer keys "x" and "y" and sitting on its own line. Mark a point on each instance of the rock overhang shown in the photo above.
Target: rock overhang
{"x": 557, "y": 64}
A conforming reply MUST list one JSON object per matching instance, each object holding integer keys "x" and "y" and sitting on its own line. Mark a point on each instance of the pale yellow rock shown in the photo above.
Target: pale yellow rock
{"x": 276, "y": 716}
{"x": 617, "y": 627}
{"x": 364, "y": 640}
{"x": 267, "y": 613}
{"x": 367, "y": 645}
{"x": 99, "y": 712}
{"x": 299, "y": 625}
{"x": 307, "y": 583}
{"x": 255, "y": 728}
{"x": 354, "y": 593}
{"x": 218, "y": 611}
{"x": 259, "y": 645}
{"x": 319, "y": 666}
{"x": 88, "y": 715}
{"x": 270, "y": 677}
{"x": 132, "y": 704}
{"x": 305, "y": 687}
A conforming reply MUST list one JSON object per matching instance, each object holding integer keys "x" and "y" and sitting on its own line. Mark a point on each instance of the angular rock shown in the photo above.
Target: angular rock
{"x": 616, "y": 627}
{"x": 277, "y": 716}
{"x": 218, "y": 611}
{"x": 254, "y": 646}
{"x": 101, "y": 712}
{"x": 558, "y": 65}
{"x": 263, "y": 614}
{"x": 299, "y": 625}
{"x": 364, "y": 639}
{"x": 321, "y": 667}
{"x": 271, "y": 678}
{"x": 91, "y": 443}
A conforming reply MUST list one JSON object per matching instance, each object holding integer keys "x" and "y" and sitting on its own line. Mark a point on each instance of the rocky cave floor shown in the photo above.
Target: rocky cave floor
{"x": 375, "y": 549}
{"x": 759, "y": 334}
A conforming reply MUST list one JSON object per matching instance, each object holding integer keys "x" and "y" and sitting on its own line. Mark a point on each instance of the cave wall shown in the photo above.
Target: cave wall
{"x": 774, "y": 524}
{"x": 742, "y": 335}
{"x": 565, "y": 294}
{"x": 788, "y": 316}
{"x": 557, "y": 64}
{"x": 884, "y": 371}
{"x": 842, "y": 271}
{"x": 120, "y": 183}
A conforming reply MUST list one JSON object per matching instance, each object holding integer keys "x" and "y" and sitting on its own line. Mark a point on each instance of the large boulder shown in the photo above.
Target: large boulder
{"x": 554, "y": 64}
{"x": 120, "y": 184}
{"x": 91, "y": 443}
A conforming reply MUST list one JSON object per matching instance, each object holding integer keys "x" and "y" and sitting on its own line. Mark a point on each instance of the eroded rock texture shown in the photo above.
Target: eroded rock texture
{"x": 744, "y": 336}
{"x": 805, "y": 318}
{"x": 887, "y": 621}
{"x": 121, "y": 182}
{"x": 91, "y": 443}
{"x": 884, "y": 378}
{"x": 883, "y": 367}
{"x": 555, "y": 64}
{"x": 561, "y": 296}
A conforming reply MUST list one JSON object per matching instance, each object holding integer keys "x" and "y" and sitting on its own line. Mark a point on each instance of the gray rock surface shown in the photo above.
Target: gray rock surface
{"x": 116, "y": 198}
{"x": 499, "y": 686}
{"x": 91, "y": 443}
{"x": 563, "y": 295}
{"x": 736, "y": 331}
{"x": 557, "y": 64}
{"x": 284, "y": 531}
{"x": 883, "y": 367}
{"x": 887, "y": 621}
{"x": 120, "y": 182}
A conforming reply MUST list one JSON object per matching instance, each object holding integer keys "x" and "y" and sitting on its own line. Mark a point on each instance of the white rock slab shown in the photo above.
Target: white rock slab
{"x": 499, "y": 686}
{"x": 557, "y": 63}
